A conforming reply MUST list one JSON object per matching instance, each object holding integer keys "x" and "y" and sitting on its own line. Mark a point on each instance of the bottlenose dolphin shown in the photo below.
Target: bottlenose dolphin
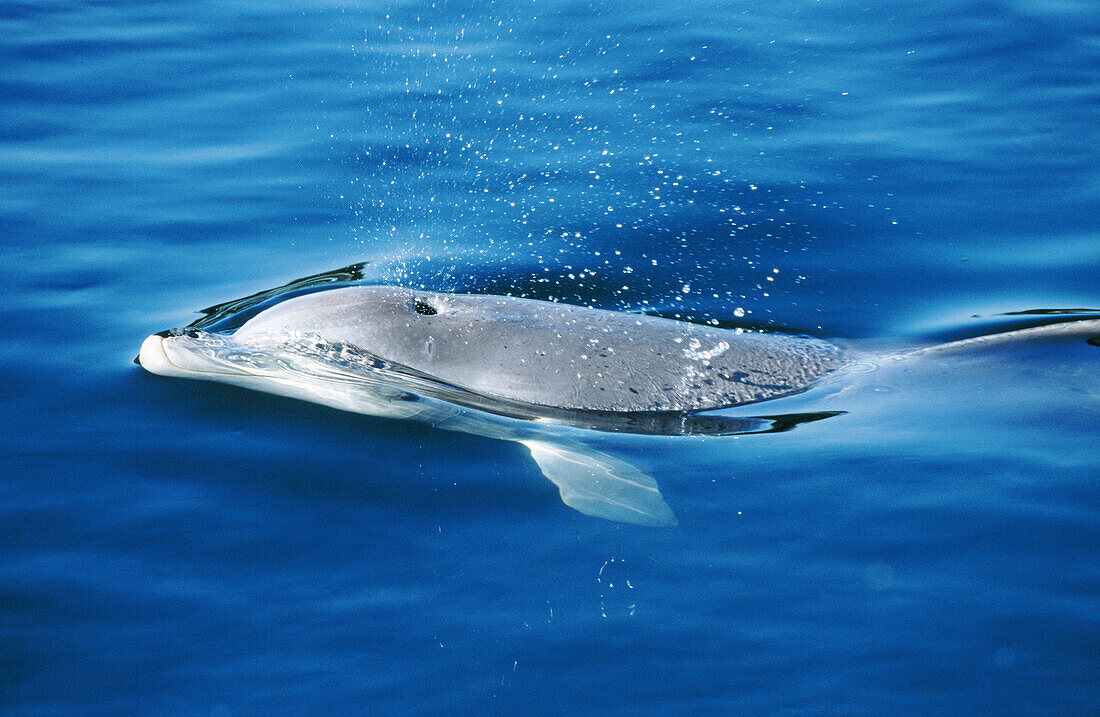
{"x": 536, "y": 372}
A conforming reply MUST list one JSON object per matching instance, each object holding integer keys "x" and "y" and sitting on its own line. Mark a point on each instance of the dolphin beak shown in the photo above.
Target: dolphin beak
{"x": 153, "y": 358}
{"x": 162, "y": 334}
{"x": 188, "y": 354}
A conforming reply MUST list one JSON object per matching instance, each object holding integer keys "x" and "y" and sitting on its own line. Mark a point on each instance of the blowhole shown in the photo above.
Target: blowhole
{"x": 425, "y": 309}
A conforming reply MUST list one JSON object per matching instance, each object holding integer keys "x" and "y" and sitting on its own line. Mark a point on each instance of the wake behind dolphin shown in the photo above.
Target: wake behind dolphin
{"x": 535, "y": 372}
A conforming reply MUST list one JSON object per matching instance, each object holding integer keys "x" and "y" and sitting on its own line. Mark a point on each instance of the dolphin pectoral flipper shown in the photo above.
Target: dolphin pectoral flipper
{"x": 599, "y": 485}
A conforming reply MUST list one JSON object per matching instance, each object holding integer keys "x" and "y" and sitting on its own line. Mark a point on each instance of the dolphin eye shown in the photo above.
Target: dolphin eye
{"x": 425, "y": 309}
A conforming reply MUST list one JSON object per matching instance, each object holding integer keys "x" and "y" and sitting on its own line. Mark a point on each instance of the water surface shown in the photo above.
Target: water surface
{"x": 886, "y": 175}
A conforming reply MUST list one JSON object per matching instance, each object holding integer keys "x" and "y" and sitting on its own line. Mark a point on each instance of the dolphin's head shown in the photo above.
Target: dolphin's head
{"x": 376, "y": 318}
{"x": 295, "y": 364}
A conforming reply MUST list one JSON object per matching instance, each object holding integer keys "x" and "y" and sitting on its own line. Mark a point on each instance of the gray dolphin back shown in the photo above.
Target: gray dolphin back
{"x": 555, "y": 355}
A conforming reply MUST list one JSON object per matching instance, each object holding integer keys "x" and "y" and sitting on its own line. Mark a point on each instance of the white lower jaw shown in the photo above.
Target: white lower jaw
{"x": 154, "y": 360}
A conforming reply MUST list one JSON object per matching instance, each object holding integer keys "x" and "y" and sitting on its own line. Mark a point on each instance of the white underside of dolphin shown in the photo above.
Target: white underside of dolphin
{"x": 539, "y": 373}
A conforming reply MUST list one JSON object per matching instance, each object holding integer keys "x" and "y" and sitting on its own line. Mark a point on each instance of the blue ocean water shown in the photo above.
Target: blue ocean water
{"x": 893, "y": 174}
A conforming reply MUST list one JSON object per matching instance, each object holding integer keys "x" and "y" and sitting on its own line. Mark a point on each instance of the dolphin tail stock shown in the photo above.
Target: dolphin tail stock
{"x": 600, "y": 485}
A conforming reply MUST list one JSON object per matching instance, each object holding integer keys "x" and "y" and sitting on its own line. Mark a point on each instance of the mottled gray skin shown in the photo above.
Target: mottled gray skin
{"x": 549, "y": 354}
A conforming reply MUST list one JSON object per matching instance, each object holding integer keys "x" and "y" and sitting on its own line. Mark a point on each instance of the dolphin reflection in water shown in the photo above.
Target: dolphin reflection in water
{"x": 540, "y": 373}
